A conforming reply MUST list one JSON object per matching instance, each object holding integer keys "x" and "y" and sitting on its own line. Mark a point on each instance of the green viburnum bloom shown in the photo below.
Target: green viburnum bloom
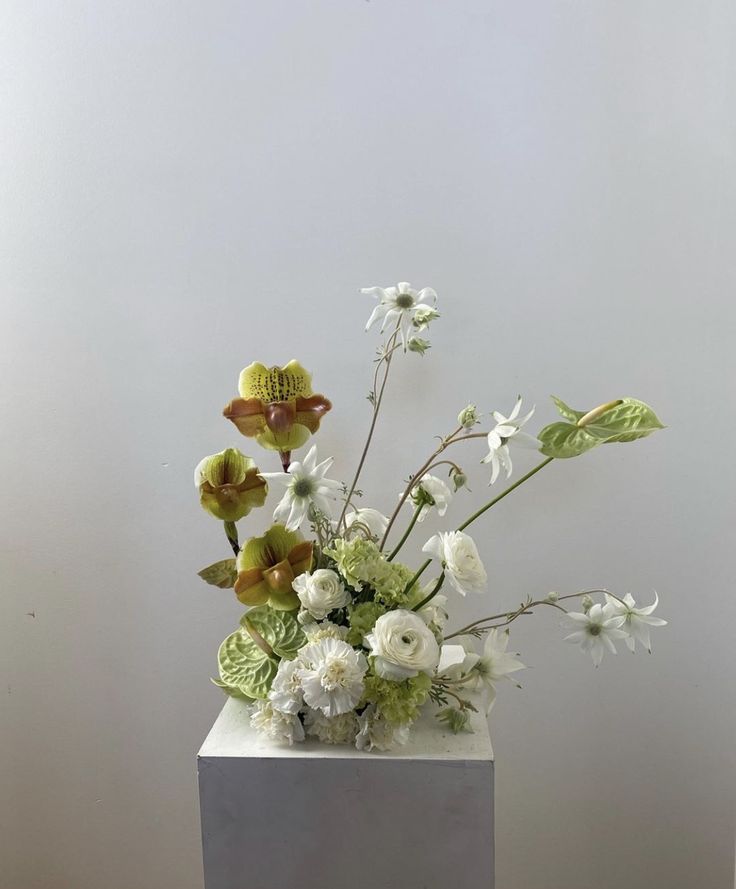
{"x": 361, "y": 563}
{"x": 229, "y": 485}
{"x": 277, "y": 406}
{"x": 397, "y": 702}
{"x": 362, "y": 618}
{"x": 268, "y": 565}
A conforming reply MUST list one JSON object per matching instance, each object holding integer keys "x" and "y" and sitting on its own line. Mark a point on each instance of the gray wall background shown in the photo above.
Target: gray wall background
{"x": 187, "y": 187}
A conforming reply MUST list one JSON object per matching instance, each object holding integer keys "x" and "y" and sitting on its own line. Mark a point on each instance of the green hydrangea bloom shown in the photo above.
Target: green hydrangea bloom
{"x": 362, "y": 617}
{"x": 362, "y": 563}
{"x": 397, "y": 702}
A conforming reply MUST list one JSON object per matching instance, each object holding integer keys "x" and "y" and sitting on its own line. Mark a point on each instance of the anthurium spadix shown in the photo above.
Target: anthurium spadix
{"x": 277, "y": 407}
{"x": 229, "y": 485}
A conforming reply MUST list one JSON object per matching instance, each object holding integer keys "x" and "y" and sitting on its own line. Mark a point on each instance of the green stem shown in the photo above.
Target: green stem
{"x": 473, "y": 517}
{"x": 432, "y": 594}
{"x": 231, "y": 532}
{"x": 505, "y": 493}
{"x": 406, "y": 533}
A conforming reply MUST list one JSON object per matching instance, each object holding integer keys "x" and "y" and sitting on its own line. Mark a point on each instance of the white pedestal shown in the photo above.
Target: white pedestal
{"x": 315, "y": 816}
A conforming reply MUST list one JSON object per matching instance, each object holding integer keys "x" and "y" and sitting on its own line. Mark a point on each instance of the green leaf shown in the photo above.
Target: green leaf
{"x": 566, "y": 411}
{"x": 231, "y": 691}
{"x": 280, "y": 629}
{"x": 244, "y": 666}
{"x": 220, "y": 574}
{"x": 627, "y": 421}
{"x": 563, "y": 440}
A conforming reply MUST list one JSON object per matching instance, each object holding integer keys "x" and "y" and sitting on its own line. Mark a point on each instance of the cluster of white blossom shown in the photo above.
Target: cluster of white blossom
{"x": 347, "y": 643}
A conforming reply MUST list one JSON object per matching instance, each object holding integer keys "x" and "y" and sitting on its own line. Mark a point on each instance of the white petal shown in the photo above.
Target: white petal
{"x": 378, "y": 312}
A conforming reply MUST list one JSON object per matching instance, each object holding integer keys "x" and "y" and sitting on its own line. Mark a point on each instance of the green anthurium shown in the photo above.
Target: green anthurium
{"x": 248, "y": 659}
{"x": 625, "y": 419}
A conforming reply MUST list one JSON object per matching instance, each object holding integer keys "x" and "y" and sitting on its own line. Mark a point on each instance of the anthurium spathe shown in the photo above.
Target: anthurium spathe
{"x": 277, "y": 406}
{"x": 268, "y": 565}
{"x": 230, "y": 485}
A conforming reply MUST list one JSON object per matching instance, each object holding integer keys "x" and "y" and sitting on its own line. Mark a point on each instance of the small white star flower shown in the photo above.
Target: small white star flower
{"x": 493, "y": 665}
{"x": 411, "y": 309}
{"x": 305, "y": 484}
{"x": 595, "y": 630}
{"x": 507, "y": 429}
{"x": 637, "y": 621}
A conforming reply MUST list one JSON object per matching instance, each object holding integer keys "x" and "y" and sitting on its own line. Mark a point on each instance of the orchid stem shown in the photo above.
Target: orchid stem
{"x": 231, "y": 532}
{"x": 406, "y": 533}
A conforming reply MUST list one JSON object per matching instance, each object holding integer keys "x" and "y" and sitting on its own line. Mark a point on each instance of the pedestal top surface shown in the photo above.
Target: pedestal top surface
{"x": 233, "y": 736}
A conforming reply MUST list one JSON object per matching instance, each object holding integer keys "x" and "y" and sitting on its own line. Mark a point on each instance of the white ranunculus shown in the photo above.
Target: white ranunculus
{"x": 376, "y": 522}
{"x": 431, "y": 491}
{"x": 403, "y": 646}
{"x": 331, "y": 673}
{"x": 321, "y": 592}
{"x": 459, "y": 556}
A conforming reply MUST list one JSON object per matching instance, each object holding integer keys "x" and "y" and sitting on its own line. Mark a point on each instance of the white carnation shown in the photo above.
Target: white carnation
{"x": 460, "y": 560}
{"x": 274, "y": 724}
{"x": 321, "y": 592}
{"x": 324, "y": 630}
{"x": 286, "y": 689}
{"x": 403, "y": 646}
{"x": 376, "y": 733}
{"x": 331, "y": 673}
{"x": 331, "y": 730}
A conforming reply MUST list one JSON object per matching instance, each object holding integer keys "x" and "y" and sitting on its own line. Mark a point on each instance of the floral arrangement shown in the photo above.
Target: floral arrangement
{"x": 340, "y": 639}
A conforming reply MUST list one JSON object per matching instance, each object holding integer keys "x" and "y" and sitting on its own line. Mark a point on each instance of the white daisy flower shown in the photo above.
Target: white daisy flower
{"x": 413, "y": 309}
{"x": 507, "y": 429}
{"x": 595, "y": 630}
{"x": 305, "y": 484}
{"x": 493, "y": 665}
{"x": 431, "y": 491}
{"x": 332, "y": 674}
{"x": 636, "y": 620}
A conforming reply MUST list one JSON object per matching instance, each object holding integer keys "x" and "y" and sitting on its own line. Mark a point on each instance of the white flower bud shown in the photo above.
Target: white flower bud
{"x": 468, "y": 416}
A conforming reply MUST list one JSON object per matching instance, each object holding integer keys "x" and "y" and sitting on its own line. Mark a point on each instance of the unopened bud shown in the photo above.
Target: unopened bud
{"x": 587, "y": 603}
{"x": 553, "y": 597}
{"x": 468, "y": 417}
{"x": 416, "y": 344}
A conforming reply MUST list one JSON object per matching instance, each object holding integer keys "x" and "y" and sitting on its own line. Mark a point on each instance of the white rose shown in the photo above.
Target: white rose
{"x": 431, "y": 491}
{"x": 403, "y": 646}
{"x": 321, "y": 592}
{"x": 459, "y": 556}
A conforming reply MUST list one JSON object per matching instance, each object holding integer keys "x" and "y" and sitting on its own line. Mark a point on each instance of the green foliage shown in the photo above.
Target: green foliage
{"x": 624, "y": 420}
{"x": 397, "y": 702}
{"x": 362, "y": 618}
{"x": 220, "y": 574}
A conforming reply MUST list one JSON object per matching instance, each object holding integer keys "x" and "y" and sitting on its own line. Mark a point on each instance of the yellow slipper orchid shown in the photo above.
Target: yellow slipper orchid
{"x": 277, "y": 406}
{"x": 229, "y": 485}
{"x": 268, "y": 565}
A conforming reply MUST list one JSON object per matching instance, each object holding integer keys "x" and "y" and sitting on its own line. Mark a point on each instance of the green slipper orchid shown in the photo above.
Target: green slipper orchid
{"x": 229, "y": 485}
{"x": 277, "y": 406}
{"x": 268, "y": 565}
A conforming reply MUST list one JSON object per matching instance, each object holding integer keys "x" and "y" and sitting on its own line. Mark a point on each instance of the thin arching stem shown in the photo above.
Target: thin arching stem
{"x": 408, "y": 531}
{"x": 378, "y": 398}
